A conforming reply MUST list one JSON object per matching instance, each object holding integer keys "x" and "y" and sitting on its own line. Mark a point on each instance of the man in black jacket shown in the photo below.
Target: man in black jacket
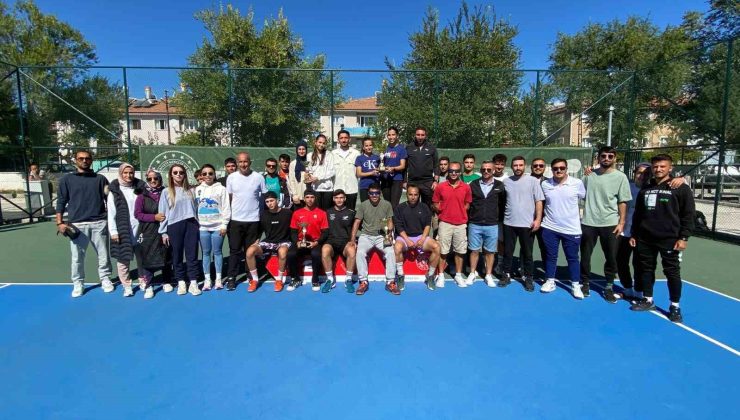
{"x": 485, "y": 213}
{"x": 662, "y": 224}
{"x": 421, "y": 165}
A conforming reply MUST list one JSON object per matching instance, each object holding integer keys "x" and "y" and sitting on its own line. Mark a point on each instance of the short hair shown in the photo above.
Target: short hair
{"x": 456, "y": 163}
{"x": 486, "y": 162}
{"x": 342, "y": 131}
{"x": 85, "y": 151}
{"x": 338, "y": 191}
{"x": 469, "y": 156}
{"x": 197, "y": 172}
{"x": 420, "y": 127}
{"x": 229, "y": 160}
{"x": 284, "y": 156}
{"x": 538, "y": 158}
{"x": 270, "y": 159}
{"x": 661, "y": 157}
{"x": 392, "y": 128}
{"x": 499, "y": 157}
{"x": 374, "y": 186}
{"x": 447, "y": 158}
{"x": 607, "y": 149}
{"x": 558, "y": 160}
{"x": 412, "y": 185}
{"x": 518, "y": 158}
{"x": 269, "y": 194}
{"x": 33, "y": 164}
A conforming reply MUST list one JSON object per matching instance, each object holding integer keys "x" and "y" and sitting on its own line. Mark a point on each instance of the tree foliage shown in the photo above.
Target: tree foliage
{"x": 262, "y": 107}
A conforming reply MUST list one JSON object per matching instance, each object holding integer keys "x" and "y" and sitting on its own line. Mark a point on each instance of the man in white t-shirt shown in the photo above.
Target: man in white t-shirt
{"x": 499, "y": 164}
{"x": 562, "y": 224}
{"x": 245, "y": 188}
{"x": 345, "y": 177}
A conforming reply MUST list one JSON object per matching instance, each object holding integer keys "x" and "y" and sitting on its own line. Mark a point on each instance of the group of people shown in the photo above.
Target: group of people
{"x": 344, "y": 202}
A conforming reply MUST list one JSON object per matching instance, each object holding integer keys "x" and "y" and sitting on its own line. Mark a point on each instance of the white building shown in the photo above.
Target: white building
{"x": 356, "y": 116}
{"x": 155, "y": 122}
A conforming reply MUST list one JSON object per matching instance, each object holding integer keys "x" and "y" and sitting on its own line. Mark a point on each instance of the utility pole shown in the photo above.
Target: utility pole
{"x": 167, "y": 110}
{"x": 609, "y": 130}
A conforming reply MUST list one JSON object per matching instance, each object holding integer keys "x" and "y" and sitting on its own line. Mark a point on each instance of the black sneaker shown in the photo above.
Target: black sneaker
{"x": 528, "y": 284}
{"x": 230, "y": 284}
{"x": 586, "y": 289}
{"x": 401, "y": 282}
{"x": 675, "y": 314}
{"x": 429, "y": 281}
{"x": 505, "y": 280}
{"x": 609, "y": 295}
{"x": 642, "y": 306}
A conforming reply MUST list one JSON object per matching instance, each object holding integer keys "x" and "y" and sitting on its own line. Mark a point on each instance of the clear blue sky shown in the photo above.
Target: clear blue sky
{"x": 352, "y": 34}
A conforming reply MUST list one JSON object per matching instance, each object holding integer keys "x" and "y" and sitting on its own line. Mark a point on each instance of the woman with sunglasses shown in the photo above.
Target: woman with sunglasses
{"x": 179, "y": 228}
{"x": 214, "y": 213}
{"x": 122, "y": 223}
{"x": 562, "y": 224}
{"x": 151, "y": 254}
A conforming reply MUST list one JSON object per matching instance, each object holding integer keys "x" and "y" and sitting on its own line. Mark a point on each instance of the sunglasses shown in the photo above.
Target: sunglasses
{"x": 207, "y": 173}
{"x": 607, "y": 156}
{"x": 85, "y": 158}
{"x": 270, "y": 166}
{"x": 454, "y": 171}
{"x": 486, "y": 170}
{"x": 374, "y": 193}
{"x": 151, "y": 179}
{"x": 538, "y": 166}
{"x": 178, "y": 173}
{"x": 559, "y": 168}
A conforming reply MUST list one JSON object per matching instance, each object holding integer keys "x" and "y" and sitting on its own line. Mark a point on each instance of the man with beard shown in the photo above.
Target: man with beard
{"x": 309, "y": 229}
{"x": 341, "y": 219}
{"x": 486, "y": 211}
{"x": 422, "y": 165}
{"x": 345, "y": 178}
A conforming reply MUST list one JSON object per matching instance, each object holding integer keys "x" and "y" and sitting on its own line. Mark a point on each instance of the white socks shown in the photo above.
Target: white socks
{"x": 399, "y": 269}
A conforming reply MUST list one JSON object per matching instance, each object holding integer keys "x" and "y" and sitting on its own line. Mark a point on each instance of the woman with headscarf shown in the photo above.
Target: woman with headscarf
{"x": 179, "y": 228}
{"x": 296, "y": 172}
{"x": 151, "y": 254}
{"x": 122, "y": 224}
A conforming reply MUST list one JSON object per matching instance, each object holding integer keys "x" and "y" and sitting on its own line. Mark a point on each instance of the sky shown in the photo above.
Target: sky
{"x": 352, "y": 35}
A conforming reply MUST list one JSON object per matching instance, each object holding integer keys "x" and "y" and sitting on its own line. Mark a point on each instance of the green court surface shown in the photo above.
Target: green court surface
{"x": 33, "y": 253}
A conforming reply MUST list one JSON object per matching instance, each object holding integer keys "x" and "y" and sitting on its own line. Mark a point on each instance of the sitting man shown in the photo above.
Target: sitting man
{"x": 275, "y": 224}
{"x": 413, "y": 222}
{"x": 309, "y": 229}
{"x": 341, "y": 218}
{"x": 375, "y": 216}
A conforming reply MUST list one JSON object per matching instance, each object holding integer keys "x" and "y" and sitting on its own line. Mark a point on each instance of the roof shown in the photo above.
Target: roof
{"x": 156, "y": 106}
{"x": 360, "y": 104}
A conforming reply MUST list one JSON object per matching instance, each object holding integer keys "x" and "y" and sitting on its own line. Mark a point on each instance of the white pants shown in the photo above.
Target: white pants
{"x": 365, "y": 244}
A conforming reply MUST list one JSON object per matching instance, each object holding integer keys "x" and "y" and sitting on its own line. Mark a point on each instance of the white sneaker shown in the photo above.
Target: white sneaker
{"x": 142, "y": 286}
{"x": 206, "y": 284}
{"x": 107, "y": 286}
{"x": 167, "y": 288}
{"x": 548, "y": 286}
{"x": 219, "y": 283}
{"x": 182, "y": 288}
{"x": 440, "y": 280}
{"x": 128, "y": 291}
{"x": 149, "y": 292}
{"x": 315, "y": 288}
{"x": 471, "y": 278}
{"x": 490, "y": 281}
{"x": 193, "y": 289}
{"x": 460, "y": 280}
{"x": 577, "y": 292}
{"x": 78, "y": 289}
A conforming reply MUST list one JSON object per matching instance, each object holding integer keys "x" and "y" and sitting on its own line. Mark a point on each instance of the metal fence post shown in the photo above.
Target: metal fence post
{"x": 128, "y": 117}
{"x": 436, "y": 106}
{"x": 331, "y": 106}
{"x": 722, "y": 135}
{"x": 631, "y": 111}
{"x": 22, "y": 139}
{"x": 535, "y": 110}
{"x": 231, "y": 106}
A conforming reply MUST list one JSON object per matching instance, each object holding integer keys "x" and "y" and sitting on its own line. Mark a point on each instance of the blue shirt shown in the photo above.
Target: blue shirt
{"x": 367, "y": 163}
{"x": 486, "y": 187}
{"x": 393, "y": 156}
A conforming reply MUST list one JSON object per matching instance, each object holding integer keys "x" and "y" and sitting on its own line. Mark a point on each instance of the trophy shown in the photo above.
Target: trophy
{"x": 308, "y": 171}
{"x": 381, "y": 167}
{"x": 303, "y": 243}
{"x": 387, "y": 238}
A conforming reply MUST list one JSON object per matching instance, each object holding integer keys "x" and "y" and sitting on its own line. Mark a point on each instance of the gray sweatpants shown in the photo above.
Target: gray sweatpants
{"x": 95, "y": 233}
{"x": 364, "y": 245}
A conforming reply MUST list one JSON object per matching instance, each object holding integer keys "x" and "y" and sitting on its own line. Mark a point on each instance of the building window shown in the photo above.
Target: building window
{"x": 160, "y": 124}
{"x": 136, "y": 124}
{"x": 191, "y": 124}
{"x": 338, "y": 119}
{"x": 586, "y": 142}
{"x": 367, "y": 121}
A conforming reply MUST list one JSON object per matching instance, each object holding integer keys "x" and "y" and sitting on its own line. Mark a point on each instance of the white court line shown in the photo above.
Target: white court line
{"x": 687, "y": 328}
{"x": 711, "y": 290}
{"x": 5, "y": 285}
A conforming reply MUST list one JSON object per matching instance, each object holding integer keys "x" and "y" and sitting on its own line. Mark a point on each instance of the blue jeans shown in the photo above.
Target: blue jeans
{"x": 571, "y": 246}
{"x": 212, "y": 242}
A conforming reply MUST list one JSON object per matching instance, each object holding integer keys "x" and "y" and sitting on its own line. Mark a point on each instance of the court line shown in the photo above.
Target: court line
{"x": 712, "y": 290}
{"x": 681, "y": 325}
{"x": 5, "y": 285}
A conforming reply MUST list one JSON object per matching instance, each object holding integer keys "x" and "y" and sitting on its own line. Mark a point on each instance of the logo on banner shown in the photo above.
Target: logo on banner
{"x": 163, "y": 161}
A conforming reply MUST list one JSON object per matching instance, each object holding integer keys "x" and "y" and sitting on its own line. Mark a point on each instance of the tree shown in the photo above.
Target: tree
{"x": 618, "y": 49}
{"x": 468, "y": 104}
{"x": 259, "y": 107}
{"x": 29, "y": 37}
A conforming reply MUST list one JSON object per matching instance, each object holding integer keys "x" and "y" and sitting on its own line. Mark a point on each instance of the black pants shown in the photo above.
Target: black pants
{"x": 241, "y": 236}
{"x": 296, "y": 254}
{"x": 184, "y": 240}
{"x": 425, "y": 191}
{"x": 541, "y": 245}
{"x": 624, "y": 252}
{"x": 351, "y": 201}
{"x": 608, "y": 241}
{"x": 324, "y": 199}
{"x": 648, "y": 255}
{"x": 392, "y": 191}
{"x": 526, "y": 242}
{"x": 363, "y": 195}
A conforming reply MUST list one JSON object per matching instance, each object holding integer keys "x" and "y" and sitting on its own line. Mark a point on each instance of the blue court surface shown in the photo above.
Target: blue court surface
{"x": 453, "y": 353}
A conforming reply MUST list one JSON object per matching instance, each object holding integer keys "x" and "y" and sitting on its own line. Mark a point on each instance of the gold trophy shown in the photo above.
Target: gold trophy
{"x": 303, "y": 243}
{"x": 387, "y": 238}
{"x": 381, "y": 167}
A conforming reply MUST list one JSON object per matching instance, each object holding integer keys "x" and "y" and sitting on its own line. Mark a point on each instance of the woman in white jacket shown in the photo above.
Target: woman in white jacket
{"x": 321, "y": 170}
{"x": 214, "y": 213}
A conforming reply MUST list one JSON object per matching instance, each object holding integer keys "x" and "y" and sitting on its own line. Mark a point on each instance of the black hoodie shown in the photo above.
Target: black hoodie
{"x": 663, "y": 215}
